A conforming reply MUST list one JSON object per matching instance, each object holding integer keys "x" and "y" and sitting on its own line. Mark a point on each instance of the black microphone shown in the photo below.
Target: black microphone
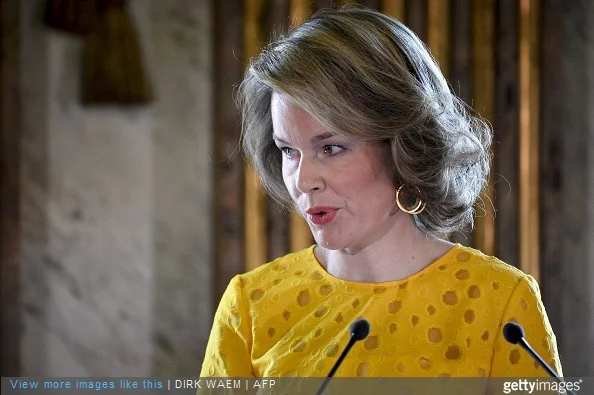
{"x": 514, "y": 334}
{"x": 359, "y": 331}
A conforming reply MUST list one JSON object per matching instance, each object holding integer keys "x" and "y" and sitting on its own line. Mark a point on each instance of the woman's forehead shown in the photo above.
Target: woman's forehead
{"x": 291, "y": 121}
{"x": 283, "y": 102}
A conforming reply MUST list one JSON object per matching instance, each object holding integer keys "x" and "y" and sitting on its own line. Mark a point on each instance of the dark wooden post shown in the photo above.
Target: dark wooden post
{"x": 505, "y": 125}
{"x": 228, "y": 162}
{"x": 10, "y": 133}
{"x": 277, "y": 20}
{"x": 566, "y": 178}
{"x": 416, "y": 17}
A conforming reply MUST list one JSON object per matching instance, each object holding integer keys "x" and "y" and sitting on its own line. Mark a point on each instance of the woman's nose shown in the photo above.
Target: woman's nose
{"x": 309, "y": 177}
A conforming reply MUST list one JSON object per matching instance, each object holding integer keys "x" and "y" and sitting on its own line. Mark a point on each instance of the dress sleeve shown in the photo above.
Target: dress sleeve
{"x": 526, "y": 308}
{"x": 228, "y": 353}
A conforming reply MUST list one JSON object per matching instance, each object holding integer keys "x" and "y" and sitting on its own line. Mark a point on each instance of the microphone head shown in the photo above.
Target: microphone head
{"x": 360, "y": 329}
{"x": 513, "y": 332}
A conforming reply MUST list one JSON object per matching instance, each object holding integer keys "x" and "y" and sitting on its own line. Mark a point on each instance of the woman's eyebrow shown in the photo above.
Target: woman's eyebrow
{"x": 313, "y": 140}
{"x": 276, "y": 138}
{"x": 320, "y": 137}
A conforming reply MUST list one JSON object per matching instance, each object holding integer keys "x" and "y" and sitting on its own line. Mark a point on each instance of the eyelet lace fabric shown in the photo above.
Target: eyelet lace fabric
{"x": 290, "y": 317}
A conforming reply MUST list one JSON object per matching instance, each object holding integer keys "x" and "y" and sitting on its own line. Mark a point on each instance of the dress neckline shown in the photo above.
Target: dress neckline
{"x": 448, "y": 257}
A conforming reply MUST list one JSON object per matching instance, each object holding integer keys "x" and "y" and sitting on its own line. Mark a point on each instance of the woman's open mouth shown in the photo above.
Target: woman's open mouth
{"x": 321, "y": 215}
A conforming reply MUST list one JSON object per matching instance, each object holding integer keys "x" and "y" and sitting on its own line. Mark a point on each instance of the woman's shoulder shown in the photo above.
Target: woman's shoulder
{"x": 474, "y": 264}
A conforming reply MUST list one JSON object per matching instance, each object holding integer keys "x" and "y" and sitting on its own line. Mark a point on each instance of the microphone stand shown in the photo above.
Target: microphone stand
{"x": 514, "y": 334}
{"x": 352, "y": 341}
{"x": 524, "y": 344}
{"x": 359, "y": 331}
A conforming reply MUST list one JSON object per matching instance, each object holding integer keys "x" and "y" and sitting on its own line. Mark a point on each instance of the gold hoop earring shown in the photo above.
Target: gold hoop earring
{"x": 417, "y": 209}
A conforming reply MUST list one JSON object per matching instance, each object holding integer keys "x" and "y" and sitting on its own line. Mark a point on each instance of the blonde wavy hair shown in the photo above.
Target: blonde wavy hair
{"x": 365, "y": 75}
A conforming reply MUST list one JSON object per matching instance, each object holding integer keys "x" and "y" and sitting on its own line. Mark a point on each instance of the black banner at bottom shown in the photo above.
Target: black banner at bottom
{"x": 289, "y": 386}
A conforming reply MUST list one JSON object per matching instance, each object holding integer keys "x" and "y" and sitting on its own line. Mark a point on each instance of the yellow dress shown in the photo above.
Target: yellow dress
{"x": 291, "y": 318}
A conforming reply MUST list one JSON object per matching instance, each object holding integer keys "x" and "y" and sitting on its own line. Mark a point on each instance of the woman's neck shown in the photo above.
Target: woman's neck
{"x": 398, "y": 254}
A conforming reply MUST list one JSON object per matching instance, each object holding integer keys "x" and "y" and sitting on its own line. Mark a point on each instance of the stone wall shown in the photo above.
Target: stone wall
{"x": 116, "y": 203}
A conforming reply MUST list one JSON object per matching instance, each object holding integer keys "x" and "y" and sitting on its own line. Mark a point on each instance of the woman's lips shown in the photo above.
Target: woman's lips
{"x": 321, "y": 215}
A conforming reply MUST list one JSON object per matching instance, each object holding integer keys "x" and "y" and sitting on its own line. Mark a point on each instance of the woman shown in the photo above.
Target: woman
{"x": 349, "y": 121}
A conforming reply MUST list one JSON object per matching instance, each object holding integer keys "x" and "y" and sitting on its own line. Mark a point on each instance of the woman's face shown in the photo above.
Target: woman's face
{"x": 342, "y": 187}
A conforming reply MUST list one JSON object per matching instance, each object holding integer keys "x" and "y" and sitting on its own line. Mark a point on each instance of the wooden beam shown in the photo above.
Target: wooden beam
{"x": 10, "y": 134}
{"x": 416, "y": 17}
{"x": 255, "y": 201}
{"x": 373, "y": 4}
{"x": 506, "y": 166}
{"x": 276, "y": 18}
{"x": 438, "y": 34}
{"x": 566, "y": 179}
{"x": 394, "y": 8}
{"x": 529, "y": 139}
{"x": 277, "y": 21}
{"x": 553, "y": 183}
{"x": 460, "y": 74}
{"x": 461, "y": 49}
{"x": 483, "y": 18}
{"x": 228, "y": 164}
{"x": 300, "y": 10}
{"x": 321, "y": 4}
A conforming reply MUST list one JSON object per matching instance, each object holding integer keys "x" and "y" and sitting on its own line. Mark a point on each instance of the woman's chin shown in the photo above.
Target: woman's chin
{"x": 329, "y": 243}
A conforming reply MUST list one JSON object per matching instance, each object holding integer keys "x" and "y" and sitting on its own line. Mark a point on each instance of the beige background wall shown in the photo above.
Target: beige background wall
{"x": 116, "y": 202}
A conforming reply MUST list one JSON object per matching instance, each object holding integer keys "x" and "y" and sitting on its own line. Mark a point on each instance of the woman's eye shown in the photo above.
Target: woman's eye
{"x": 333, "y": 149}
{"x": 288, "y": 152}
